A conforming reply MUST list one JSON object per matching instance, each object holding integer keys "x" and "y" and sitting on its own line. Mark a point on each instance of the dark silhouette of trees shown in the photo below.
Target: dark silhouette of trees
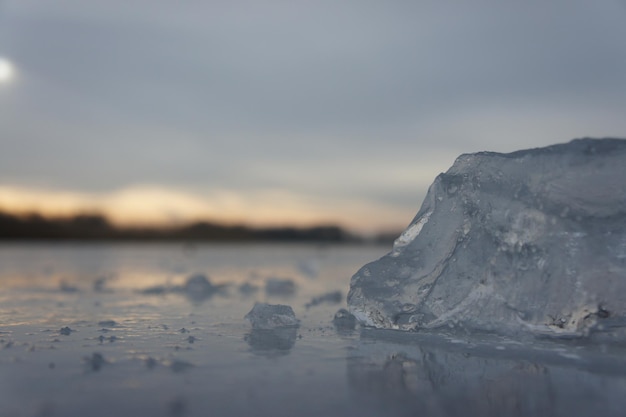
{"x": 97, "y": 227}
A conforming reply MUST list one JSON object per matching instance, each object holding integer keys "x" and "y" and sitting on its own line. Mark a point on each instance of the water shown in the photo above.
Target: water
{"x": 105, "y": 330}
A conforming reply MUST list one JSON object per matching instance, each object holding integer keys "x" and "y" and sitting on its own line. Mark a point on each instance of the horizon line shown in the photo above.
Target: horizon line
{"x": 95, "y": 225}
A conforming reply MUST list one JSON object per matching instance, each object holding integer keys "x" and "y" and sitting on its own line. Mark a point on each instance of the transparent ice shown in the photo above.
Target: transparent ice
{"x": 531, "y": 241}
{"x": 271, "y": 316}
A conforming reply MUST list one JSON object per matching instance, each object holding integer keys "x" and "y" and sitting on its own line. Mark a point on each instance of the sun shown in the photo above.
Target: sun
{"x": 6, "y": 70}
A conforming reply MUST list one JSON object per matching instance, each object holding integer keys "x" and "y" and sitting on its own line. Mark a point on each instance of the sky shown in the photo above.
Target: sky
{"x": 289, "y": 112}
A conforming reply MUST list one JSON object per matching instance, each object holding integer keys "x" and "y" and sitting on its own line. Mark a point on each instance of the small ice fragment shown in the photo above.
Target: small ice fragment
{"x": 198, "y": 288}
{"x": 66, "y": 331}
{"x": 333, "y": 297}
{"x": 199, "y": 284}
{"x": 343, "y": 320}
{"x": 280, "y": 286}
{"x": 67, "y": 288}
{"x": 271, "y": 316}
{"x": 156, "y": 290}
{"x": 248, "y": 289}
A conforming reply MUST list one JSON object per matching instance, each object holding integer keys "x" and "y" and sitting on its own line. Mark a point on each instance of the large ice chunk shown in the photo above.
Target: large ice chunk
{"x": 534, "y": 240}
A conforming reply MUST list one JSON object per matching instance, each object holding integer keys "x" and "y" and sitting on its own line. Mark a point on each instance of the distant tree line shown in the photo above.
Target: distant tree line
{"x": 97, "y": 227}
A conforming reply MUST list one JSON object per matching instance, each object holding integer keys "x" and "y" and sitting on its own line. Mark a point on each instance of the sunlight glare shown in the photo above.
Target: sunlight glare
{"x": 6, "y": 70}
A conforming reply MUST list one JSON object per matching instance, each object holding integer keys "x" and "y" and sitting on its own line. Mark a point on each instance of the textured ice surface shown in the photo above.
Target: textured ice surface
{"x": 271, "y": 316}
{"x": 317, "y": 369}
{"x": 534, "y": 240}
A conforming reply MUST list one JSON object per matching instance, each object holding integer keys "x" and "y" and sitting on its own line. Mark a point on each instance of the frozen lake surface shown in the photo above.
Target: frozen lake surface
{"x": 126, "y": 330}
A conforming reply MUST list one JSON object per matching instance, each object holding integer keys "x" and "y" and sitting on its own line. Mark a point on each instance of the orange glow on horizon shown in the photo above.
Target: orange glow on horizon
{"x": 156, "y": 206}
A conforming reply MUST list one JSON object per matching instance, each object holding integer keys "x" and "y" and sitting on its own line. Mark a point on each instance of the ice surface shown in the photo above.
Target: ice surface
{"x": 232, "y": 369}
{"x": 531, "y": 241}
{"x": 271, "y": 316}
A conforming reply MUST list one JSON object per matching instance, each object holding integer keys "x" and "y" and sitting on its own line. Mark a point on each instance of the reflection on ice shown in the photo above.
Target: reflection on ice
{"x": 95, "y": 362}
{"x": 272, "y": 342}
{"x": 432, "y": 376}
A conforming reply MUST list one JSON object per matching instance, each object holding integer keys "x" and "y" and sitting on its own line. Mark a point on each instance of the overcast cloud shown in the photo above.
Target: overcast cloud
{"x": 359, "y": 101}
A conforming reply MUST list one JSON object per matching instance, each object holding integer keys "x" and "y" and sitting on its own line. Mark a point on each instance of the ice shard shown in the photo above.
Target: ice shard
{"x": 529, "y": 241}
{"x": 271, "y": 316}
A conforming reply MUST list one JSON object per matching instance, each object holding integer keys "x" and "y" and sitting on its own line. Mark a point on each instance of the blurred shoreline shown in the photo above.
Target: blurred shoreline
{"x": 96, "y": 227}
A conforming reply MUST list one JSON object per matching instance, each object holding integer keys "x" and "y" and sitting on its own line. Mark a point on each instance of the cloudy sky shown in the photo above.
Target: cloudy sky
{"x": 289, "y": 112}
